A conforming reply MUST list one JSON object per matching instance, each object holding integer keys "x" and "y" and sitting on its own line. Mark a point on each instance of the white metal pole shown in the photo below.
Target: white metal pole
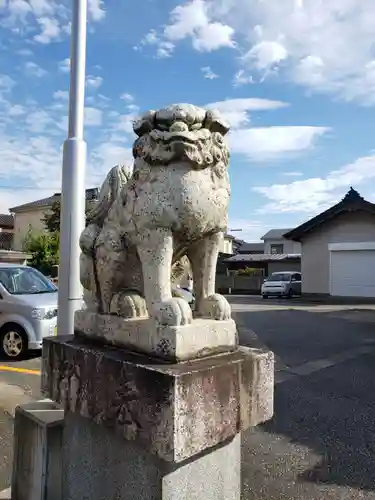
{"x": 73, "y": 178}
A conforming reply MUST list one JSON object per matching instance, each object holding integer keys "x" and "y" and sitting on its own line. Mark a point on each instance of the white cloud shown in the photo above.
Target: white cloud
{"x": 164, "y": 48}
{"x": 61, "y": 95}
{"x": 95, "y": 9}
{"x": 263, "y": 143}
{"x": 324, "y": 46}
{"x": 127, "y": 97}
{"x": 317, "y": 193}
{"x": 236, "y": 111}
{"x": 242, "y": 78}
{"x": 208, "y": 73}
{"x": 193, "y": 20}
{"x": 93, "y": 82}
{"x": 16, "y": 110}
{"x": 251, "y": 230}
{"x": 25, "y": 52}
{"x": 6, "y": 83}
{"x": 64, "y": 65}
{"x": 292, "y": 174}
{"x": 273, "y": 142}
{"x": 37, "y": 121}
{"x": 93, "y": 116}
{"x": 34, "y": 69}
{"x": 50, "y": 30}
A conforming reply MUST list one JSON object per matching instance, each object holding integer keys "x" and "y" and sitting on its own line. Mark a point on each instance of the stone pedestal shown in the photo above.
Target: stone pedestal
{"x": 38, "y": 431}
{"x": 136, "y": 427}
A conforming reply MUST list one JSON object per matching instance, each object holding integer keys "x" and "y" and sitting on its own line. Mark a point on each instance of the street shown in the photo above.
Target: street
{"x": 321, "y": 442}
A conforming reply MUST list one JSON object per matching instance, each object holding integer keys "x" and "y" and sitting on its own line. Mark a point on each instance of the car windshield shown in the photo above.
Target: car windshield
{"x": 279, "y": 277}
{"x": 25, "y": 281}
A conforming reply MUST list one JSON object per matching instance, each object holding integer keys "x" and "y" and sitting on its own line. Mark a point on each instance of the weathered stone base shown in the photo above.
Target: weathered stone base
{"x": 97, "y": 466}
{"x": 173, "y": 411}
{"x": 38, "y": 431}
{"x": 203, "y": 337}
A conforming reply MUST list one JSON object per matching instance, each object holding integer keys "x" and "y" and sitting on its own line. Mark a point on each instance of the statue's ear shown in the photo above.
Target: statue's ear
{"x": 145, "y": 123}
{"x": 215, "y": 122}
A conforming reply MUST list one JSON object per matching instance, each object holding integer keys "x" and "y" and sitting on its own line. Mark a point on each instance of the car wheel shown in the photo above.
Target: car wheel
{"x": 264, "y": 296}
{"x": 13, "y": 342}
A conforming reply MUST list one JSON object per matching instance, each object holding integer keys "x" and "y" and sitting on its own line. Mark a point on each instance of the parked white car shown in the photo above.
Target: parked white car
{"x": 282, "y": 284}
{"x": 28, "y": 309}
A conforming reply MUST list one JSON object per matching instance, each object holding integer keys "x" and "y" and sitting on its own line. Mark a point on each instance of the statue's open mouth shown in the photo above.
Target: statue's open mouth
{"x": 181, "y": 139}
{"x": 187, "y": 137}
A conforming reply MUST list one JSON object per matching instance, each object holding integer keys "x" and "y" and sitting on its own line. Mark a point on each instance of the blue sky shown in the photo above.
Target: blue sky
{"x": 295, "y": 78}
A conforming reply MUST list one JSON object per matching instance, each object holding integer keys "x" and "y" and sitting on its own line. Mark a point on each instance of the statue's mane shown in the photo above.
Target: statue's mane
{"x": 115, "y": 180}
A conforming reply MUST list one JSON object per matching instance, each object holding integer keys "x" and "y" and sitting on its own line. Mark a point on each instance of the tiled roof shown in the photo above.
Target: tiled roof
{"x": 91, "y": 194}
{"x": 275, "y": 234}
{"x": 352, "y": 202}
{"x": 6, "y": 221}
{"x": 263, "y": 257}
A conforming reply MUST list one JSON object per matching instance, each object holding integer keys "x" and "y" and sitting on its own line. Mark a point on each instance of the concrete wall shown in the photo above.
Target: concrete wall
{"x": 289, "y": 246}
{"x": 24, "y": 222}
{"x": 347, "y": 228}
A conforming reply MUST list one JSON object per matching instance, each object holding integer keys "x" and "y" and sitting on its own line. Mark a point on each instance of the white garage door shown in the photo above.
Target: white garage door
{"x": 353, "y": 273}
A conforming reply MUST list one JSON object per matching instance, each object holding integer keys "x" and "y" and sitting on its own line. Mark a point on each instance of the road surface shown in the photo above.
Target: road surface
{"x": 321, "y": 441}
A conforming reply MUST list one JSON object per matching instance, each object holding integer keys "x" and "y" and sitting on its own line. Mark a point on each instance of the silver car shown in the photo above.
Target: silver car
{"x": 28, "y": 309}
{"x": 282, "y": 284}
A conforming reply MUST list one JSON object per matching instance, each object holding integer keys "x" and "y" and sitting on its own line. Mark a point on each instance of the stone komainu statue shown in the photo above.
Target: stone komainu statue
{"x": 172, "y": 206}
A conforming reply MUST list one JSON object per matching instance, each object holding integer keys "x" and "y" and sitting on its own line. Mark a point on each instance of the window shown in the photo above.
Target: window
{"x": 277, "y": 249}
{"x": 296, "y": 277}
{"x": 25, "y": 281}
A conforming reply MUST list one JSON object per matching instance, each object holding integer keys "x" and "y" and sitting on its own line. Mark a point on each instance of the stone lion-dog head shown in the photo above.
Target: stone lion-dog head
{"x": 182, "y": 133}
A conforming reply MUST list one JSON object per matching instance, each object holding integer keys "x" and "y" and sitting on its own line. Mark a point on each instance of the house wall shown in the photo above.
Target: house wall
{"x": 27, "y": 221}
{"x": 289, "y": 246}
{"x": 348, "y": 228}
{"x": 32, "y": 220}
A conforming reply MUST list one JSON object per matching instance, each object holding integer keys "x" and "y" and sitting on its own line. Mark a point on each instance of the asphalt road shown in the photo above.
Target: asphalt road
{"x": 321, "y": 442}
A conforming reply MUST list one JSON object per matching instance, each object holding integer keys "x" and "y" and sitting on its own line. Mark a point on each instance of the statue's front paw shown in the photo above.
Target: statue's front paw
{"x": 173, "y": 312}
{"x": 214, "y": 307}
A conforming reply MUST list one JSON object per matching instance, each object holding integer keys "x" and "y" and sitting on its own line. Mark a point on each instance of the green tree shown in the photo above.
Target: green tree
{"x": 52, "y": 219}
{"x": 44, "y": 250}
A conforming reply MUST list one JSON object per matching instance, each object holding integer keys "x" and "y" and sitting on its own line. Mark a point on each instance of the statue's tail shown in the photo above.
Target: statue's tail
{"x": 116, "y": 179}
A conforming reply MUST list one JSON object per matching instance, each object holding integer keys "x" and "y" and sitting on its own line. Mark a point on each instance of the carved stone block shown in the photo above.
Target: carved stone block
{"x": 174, "y": 411}
{"x": 201, "y": 338}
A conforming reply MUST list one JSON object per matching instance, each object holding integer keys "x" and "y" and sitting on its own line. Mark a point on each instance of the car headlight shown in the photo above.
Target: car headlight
{"x": 42, "y": 313}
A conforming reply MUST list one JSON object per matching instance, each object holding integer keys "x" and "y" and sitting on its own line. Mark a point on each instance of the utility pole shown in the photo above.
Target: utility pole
{"x": 73, "y": 178}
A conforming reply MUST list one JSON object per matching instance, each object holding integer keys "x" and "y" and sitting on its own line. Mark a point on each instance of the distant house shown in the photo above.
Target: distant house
{"x": 275, "y": 253}
{"x": 6, "y": 231}
{"x": 276, "y": 243}
{"x": 338, "y": 249}
{"x": 29, "y": 217}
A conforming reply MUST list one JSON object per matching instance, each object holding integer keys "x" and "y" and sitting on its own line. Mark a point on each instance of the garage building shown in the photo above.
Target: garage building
{"x": 338, "y": 249}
